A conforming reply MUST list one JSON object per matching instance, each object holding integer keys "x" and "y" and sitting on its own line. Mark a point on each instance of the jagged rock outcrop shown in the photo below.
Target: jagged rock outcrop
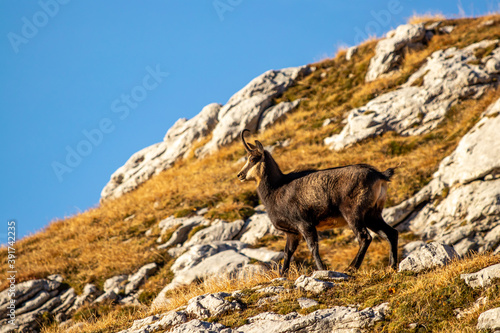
{"x": 428, "y": 256}
{"x": 246, "y": 108}
{"x": 36, "y": 297}
{"x": 389, "y": 51}
{"x": 153, "y": 159}
{"x": 461, "y": 204}
{"x": 421, "y": 104}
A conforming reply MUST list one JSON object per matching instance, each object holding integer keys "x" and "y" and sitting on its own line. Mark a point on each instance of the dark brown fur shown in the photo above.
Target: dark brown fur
{"x": 300, "y": 203}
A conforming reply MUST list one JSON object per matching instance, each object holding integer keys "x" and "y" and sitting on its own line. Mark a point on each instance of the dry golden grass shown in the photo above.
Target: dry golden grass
{"x": 426, "y": 17}
{"x": 107, "y": 240}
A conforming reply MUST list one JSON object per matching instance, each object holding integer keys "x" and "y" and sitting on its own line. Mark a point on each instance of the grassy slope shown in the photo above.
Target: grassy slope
{"x": 99, "y": 243}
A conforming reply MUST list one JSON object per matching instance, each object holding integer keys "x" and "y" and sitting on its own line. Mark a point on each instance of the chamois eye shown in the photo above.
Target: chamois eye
{"x": 255, "y": 159}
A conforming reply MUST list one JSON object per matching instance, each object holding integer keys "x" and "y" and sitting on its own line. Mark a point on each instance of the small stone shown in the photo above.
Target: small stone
{"x": 330, "y": 276}
{"x": 271, "y": 290}
{"x": 305, "y": 303}
{"x": 313, "y": 285}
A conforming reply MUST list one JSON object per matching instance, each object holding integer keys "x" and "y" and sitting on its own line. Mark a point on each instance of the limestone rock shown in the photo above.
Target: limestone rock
{"x": 244, "y": 109}
{"x": 225, "y": 262}
{"x": 210, "y": 305}
{"x": 90, "y": 293}
{"x": 428, "y": 256}
{"x": 153, "y": 323}
{"x": 330, "y": 276}
{"x": 313, "y": 285}
{"x": 201, "y": 261}
{"x": 461, "y": 204}
{"x": 219, "y": 231}
{"x": 263, "y": 254}
{"x": 140, "y": 277}
{"x": 26, "y": 291}
{"x": 336, "y": 319}
{"x": 197, "y": 253}
{"x": 160, "y": 156}
{"x": 198, "y": 326}
{"x": 421, "y": 104}
{"x": 351, "y": 52}
{"x": 275, "y": 113}
{"x": 305, "y": 303}
{"x": 107, "y": 296}
{"x": 257, "y": 226}
{"x": 116, "y": 283}
{"x": 483, "y": 278}
{"x": 271, "y": 290}
{"x": 489, "y": 320}
{"x": 35, "y": 302}
{"x": 388, "y": 52}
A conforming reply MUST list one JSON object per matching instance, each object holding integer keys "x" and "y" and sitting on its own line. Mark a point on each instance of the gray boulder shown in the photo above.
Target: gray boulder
{"x": 90, "y": 293}
{"x": 482, "y": 278}
{"x": 137, "y": 279}
{"x": 107, "y": 296}
{"x": 116, "y": 284}
{"x": 210, "y": 305}
{"x": 257, "y": 226}
{"x": 421, "y": 104}
{"x": 225, "y": 262}
{"x": 263, "y": 254}
{"x": 305, "y": 303}
{"x": 219, "y": 231}
{"x": 276, "y": 113}
{"x": 200, "y": 261}
{"x": 389, "y": 51}
{"x": 428, "y": 256}
{"x": 152, "y": 160}
{"x": 489, "y": 320}
{"x": 156, "y": 322}
{"x": 312, "y": 285}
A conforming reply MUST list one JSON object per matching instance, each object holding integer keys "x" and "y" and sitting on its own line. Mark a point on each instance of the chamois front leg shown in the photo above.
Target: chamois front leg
{"x": 292, "y": 241}
{"x": 311, "y": 236}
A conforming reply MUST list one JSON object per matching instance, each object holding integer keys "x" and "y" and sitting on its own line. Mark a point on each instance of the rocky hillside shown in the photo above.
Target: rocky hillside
{"x": 179, "y": 245}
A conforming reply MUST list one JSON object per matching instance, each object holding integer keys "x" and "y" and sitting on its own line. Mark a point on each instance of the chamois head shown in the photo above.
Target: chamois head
{"x": 254, "y": 167}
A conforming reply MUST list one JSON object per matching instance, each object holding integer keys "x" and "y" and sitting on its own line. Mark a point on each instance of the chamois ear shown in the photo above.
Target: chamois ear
{"x": 252, "y": 147}
{"x": 260, "y": 148}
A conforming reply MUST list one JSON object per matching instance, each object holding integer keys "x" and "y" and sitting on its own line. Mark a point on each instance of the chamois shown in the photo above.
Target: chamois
{"x": 301, "y": 203}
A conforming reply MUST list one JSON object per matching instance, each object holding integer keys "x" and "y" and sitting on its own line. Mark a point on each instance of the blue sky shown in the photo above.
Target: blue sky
{"x": 67, "y": 67}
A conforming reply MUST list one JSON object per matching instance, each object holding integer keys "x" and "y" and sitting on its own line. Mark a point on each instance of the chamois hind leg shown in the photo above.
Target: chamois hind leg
{"x": 311, "y": 236}
{"x": 355, "y": 221}
{"x": 292, "y": 241}
{"x": 376, "y": 223}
